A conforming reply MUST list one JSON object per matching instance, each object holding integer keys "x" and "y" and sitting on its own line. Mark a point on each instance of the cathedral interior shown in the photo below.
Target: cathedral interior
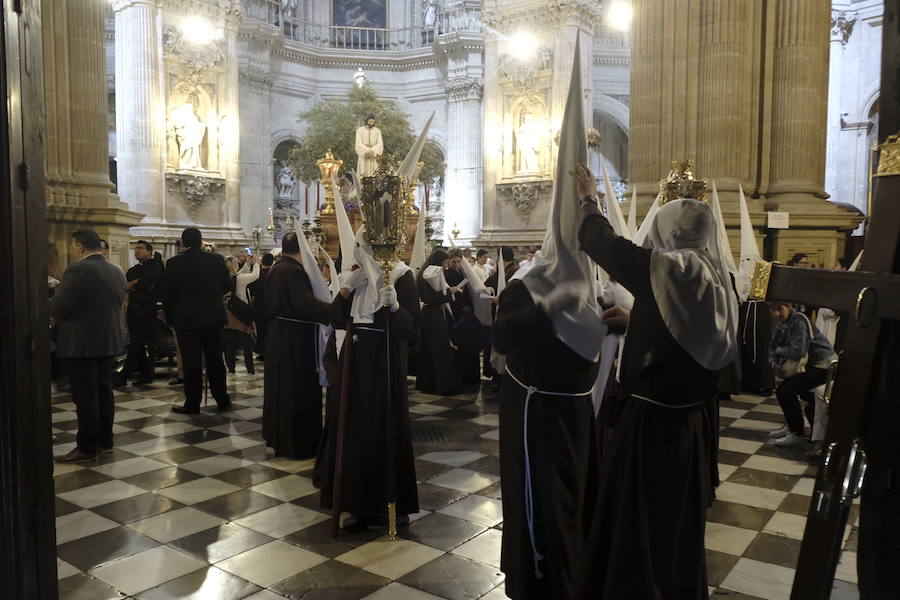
{"x": 237, "y": 117}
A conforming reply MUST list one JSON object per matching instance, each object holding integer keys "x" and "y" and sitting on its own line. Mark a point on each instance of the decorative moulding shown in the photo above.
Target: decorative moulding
{"x": 525, "y": 195}
{"x": 196, "y": 189}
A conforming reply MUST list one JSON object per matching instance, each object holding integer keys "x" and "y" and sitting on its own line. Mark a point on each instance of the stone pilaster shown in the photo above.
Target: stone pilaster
{"x": 799, "y": 103}
{"x": 462, "y": 192}
{"x": 79, "y": 191}
{"x": 140, "y": 110}
{"x": 842, "y": 24}
{"x": 256, "y": 42}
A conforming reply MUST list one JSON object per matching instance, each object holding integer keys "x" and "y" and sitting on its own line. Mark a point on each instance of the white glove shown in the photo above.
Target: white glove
{"x": 388, "y": 297}
{"x": 566, "y": 296}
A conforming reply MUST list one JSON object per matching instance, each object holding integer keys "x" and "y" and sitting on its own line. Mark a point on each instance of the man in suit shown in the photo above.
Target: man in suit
{"x": 193, "y": 288}
{"x": 144, "y": 284}
{"x": 87, "y": 306}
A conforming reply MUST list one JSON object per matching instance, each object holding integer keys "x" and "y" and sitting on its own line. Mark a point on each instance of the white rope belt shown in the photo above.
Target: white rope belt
{"x": 300, "y": 321}
{"x": 364, "y": 328}
{"x": 529, "y": 487}
{"x": 664, "y": 405}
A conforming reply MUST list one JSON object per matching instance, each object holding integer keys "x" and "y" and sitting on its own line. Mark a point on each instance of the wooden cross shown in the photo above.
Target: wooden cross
{"x": 859, "y": 444}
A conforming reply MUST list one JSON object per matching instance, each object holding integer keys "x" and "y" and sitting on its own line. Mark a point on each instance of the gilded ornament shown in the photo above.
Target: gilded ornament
{"x": 889, "y": 156}
{"x": 759, "y": 285}
{"x": 681, "y": 183}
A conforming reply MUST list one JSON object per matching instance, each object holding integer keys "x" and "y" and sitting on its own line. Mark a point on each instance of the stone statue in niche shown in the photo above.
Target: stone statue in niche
{"x": 528, "y": 140}
{"x": 285, "y": 179}
{"x": 188, "y": 131}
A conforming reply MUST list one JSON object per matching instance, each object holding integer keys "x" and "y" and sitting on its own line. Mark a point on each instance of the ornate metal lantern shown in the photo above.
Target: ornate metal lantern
{"x": 385, "y": 205}
{"x": 328, "y": 166}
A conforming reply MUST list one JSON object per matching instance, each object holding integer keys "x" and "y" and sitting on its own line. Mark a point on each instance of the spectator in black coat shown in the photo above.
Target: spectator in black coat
{"x": 193, "y": 291}
{"x": 86, "y": 305}
{"x": 144, "y": 286}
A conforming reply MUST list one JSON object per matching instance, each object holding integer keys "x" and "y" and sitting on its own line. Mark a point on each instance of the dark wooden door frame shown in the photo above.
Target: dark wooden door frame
{"x": 27, "y": 523}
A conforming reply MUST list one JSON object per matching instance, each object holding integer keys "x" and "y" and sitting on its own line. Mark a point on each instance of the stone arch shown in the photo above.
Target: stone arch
{"x": 613, "y": 144}
{"x": 618, "y": 111}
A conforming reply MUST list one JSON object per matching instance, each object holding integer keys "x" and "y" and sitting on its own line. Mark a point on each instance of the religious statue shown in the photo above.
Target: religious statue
{"x": 368, "y": 146}
{"x": 285, "y": 179}
{"x": 359, "y": 78}
{"x": 528, "y": 145}
{"x": 429, "y": 19}
{"x": 189, "y": 131}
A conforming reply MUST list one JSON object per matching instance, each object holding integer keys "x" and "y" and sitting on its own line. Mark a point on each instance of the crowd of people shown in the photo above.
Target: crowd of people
{"x": 606, "y": 478}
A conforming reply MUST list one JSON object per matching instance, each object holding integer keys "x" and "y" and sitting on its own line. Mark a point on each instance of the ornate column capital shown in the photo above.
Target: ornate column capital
{"x": 842, "y": 22}
{"x": 120, "y": 5}
{"x": 465, "y": 88}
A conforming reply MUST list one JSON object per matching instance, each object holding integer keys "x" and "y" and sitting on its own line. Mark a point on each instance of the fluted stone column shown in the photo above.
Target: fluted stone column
{"x": 723, "y": 124}
{"x": 462, "y": 192}
{"x": 692, "y": 92}
{"x": 79, "y": 191}
{"x": 800, "y": 99}
{"x": 140, "y": 114}
{"x": 740, "y": 90}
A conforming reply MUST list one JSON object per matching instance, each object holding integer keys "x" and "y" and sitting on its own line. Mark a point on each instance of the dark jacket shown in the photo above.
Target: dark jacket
{"x": 194, "y": 284}
{"x": 144, "y": 295}
{"x": 791, "y": 341}
{"x": 88, "y": 305}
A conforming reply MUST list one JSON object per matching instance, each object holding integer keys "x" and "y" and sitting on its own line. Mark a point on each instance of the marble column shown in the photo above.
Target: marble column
{"x": 140, "y": 107}
{"x": 462, "y": 208}
{"x": 800, "y": 98}
{"x": 79, "y": 191}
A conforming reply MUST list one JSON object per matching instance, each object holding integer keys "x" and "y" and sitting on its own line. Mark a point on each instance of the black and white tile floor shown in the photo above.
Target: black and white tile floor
{"x": 194, "y": 507}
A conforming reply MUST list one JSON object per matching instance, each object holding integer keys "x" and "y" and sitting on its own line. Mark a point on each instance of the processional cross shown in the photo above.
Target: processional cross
{"x": 861, "y": 454}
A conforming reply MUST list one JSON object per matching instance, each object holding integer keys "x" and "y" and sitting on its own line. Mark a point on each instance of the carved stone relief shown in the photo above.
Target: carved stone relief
{"x": 196, "y": 189}
{"x": 526, "y": 195}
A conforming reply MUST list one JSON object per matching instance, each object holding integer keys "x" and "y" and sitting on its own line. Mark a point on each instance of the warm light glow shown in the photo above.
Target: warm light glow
{"x": 521, "y": 45}
{"x": 619, "y": 15}
{"x": 199, "y": 30}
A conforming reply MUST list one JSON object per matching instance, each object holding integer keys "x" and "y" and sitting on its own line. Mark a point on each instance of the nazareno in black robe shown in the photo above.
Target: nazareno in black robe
{"x": 647, "y": 533}
{"x": 292, "y": 401}
{"x": 754, "y": 332}
{"x": 436, "y": 368}
{"x": 465, "y": 332}
{"x": 562, "y": 443}
{"x": 364, "y": 468}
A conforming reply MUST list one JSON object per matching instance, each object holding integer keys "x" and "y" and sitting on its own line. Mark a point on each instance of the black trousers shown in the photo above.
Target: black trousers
{"x": 234, "y": 339}
{"x": 91, "y": 385}
{"x": 792, "y": 389}
{"x": 198, "y": 345}
{"x": 140, "y": 349}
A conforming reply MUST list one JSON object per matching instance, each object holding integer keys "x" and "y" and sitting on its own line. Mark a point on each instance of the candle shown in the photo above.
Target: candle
{"x": 307, "y": 200}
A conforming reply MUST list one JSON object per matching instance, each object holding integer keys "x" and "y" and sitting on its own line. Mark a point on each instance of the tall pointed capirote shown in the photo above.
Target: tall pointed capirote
{"x": 632, "y": 212}
{"x": 749, "y": 249}
{"x": 561, "y": 262}
{"x": 722, "y": 233}
{"x": 408, "y": 166}
{"x": 644, "y": 228}
{"x": 613, "y": 209}
{"x": 346, "y": 237}
{"x": 316, "y": 279}
{"x": 419, "y": 251}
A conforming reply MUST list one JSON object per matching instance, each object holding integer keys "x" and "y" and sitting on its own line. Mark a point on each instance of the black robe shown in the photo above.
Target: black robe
{"x": 436, "y": 368}
{"x": 647, "y": 532}
{"x": 292, "y": 407}
{"x": 754, "y": 332}
{"x": 466, "y": 331}
{"x": 562, "y": 443}
{"x": 368, "y": 431}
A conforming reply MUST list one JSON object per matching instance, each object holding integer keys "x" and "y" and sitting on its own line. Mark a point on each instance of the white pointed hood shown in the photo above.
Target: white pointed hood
{"x": 317, "y": 280}
{"x": 613, "y": 210}
{"x": 417, "y": 260}
{"x": 722, "y": 234}
{"x": 632, "y": 213}
{"x": 561, "y": 261}
{"x": 345, "y": 229}
{"x": 641, "y": 235}
{"x": 749, "y": 249}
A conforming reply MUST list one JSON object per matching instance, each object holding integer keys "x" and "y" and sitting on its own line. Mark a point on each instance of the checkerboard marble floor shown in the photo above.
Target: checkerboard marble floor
{"x": 195, "y": 507}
